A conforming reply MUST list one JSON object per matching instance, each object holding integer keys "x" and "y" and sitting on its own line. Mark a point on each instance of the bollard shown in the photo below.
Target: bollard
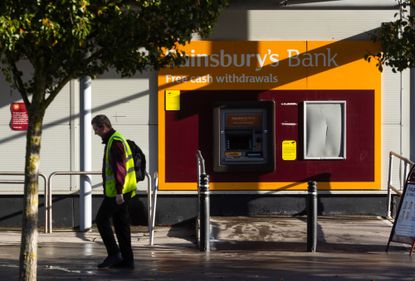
{"x": 204, "y": 213}
{"x": 312, "y": 217}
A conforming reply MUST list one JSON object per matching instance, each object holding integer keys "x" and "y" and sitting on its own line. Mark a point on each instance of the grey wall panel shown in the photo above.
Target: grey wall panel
{"x": 55, "y": 146}
{"x": 56, "y": 141}
{"x": 396, "y": 112}
{"x": 12, "y": 150}
{"x": 311, "y": 4}
{"x": 55, "y": 156}
{"x": 127, "y": 103}
{"x": 391, "y": 97}
{"x": 58, "y": 113}
{"x": 406, "y": 114}
{"x": 7, "y": 96}
{"x": 239, "y": 24}
{"x": 390, "y": 142}
{"x": 124, "y": 101}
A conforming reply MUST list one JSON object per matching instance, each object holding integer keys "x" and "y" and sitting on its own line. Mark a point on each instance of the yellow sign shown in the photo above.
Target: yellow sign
{"x": 172, "y": 99}
{"x": 289, "y": 150}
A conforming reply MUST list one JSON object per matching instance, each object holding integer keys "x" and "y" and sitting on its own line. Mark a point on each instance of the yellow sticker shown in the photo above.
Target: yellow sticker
{"x": 289, "y": 150}
{"x": 172, "y": 99}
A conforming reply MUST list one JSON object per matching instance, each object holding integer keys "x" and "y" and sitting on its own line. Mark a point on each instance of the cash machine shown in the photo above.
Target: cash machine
{"x": 244, "y": 136}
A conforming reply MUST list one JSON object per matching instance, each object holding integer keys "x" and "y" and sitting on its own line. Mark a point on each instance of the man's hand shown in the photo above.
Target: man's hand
{"x": 119, "y": 199}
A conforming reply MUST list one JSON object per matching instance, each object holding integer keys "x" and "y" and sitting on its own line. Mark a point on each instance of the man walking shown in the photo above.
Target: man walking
{"x": 119, "y": 184}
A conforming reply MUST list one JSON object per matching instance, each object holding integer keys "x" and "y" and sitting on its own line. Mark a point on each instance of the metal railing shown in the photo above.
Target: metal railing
{"x": 48, "y": 207}
{"x": 48, "y": 195}
{"x": 152, "y": 217}
{"x": 200, "y": 162}
{"x": 149, "y": 204}
{"x": 48, "y": 188}
{"x": 10, "y": 173}
{"x": 201, "y": 169}
{"x": 404, "y": 168}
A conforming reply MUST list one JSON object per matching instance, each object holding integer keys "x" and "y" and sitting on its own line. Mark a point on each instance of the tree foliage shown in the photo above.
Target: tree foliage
{"x": 68, "y": 39}
{"x": 397, "y": 39}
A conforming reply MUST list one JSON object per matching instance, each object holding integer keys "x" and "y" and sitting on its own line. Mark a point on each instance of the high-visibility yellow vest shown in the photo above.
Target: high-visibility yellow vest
{"x": 130, "y": 180}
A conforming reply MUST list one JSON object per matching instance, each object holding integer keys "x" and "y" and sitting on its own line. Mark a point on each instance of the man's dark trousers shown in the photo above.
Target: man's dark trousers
{"x": 121, "y": 220}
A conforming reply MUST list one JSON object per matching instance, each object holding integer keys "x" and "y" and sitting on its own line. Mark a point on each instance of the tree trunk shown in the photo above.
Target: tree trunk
{"x": 29, "y": 239}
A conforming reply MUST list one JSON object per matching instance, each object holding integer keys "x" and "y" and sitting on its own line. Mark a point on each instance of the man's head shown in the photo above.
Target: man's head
{"x": 101, "y": 125}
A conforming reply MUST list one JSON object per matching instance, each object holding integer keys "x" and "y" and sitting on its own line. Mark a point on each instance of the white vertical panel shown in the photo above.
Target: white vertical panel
{"x": 124, "y": 101}
{"x": 391, "y": 97}
{"x": 56, "y": 140}
{"x": 12, "y": 150}
{"x": 406, "y": 114}
{"x": 55, "y": 146}
{"x": 390, "y": 136}
{"x": 127, "y": 104}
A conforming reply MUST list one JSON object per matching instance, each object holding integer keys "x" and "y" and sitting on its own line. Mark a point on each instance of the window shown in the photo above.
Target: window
{"x": 324, "y": 129}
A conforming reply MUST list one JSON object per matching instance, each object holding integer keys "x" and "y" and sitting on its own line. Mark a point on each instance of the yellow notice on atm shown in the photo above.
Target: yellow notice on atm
{"x": 289, "y": 150}
{"x": 172, "y": 100}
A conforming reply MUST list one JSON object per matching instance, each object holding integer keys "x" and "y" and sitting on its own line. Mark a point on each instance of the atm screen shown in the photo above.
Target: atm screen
{"x": 238, "y": 120}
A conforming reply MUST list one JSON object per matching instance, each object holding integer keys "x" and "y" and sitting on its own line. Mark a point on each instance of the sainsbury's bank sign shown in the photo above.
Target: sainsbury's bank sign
{"x": 272, "y": 65}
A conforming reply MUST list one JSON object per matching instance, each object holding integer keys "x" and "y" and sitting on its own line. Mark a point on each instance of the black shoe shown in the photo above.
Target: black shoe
{"x": 111, "y": 261}
{"x": 124, "y": 265}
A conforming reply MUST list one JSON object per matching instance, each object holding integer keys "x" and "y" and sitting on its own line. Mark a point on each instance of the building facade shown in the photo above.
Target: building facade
{"x": 278, "y": 95}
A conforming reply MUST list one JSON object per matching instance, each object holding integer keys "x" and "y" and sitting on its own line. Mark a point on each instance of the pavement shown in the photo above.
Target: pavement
{"x": 242, "y": 248}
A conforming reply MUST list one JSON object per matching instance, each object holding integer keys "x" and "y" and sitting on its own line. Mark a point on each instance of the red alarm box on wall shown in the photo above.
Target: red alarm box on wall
{"x": 20, "y": 117}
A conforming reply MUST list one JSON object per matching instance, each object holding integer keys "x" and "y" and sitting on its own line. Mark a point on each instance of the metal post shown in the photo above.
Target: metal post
{"x": 85, "y": 202}
{"x": 388, "y": 208}
{"x": 149, "y": 205}
{"x": 204, "y": 213}
{"x": 312, "y": 217}
{"x": 153, "y": 211}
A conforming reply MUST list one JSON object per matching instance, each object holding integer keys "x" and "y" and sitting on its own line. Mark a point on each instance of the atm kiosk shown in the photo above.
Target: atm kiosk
{"x": 244, "y": 136}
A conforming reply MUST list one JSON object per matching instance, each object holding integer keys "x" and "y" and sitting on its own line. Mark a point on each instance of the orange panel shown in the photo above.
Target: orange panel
{"x": 273, "y": 65}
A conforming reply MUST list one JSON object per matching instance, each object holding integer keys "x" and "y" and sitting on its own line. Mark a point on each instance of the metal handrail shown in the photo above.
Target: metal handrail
{"x": 149, "y": 190}
{"x": 403, "y": 174}
{"x": 48, "y": 207}
{"x": 200, "y": 168}
{"x": 200, "y": 164}
{"x": 154, "y": 208}
{"x": 12, "y": 173}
